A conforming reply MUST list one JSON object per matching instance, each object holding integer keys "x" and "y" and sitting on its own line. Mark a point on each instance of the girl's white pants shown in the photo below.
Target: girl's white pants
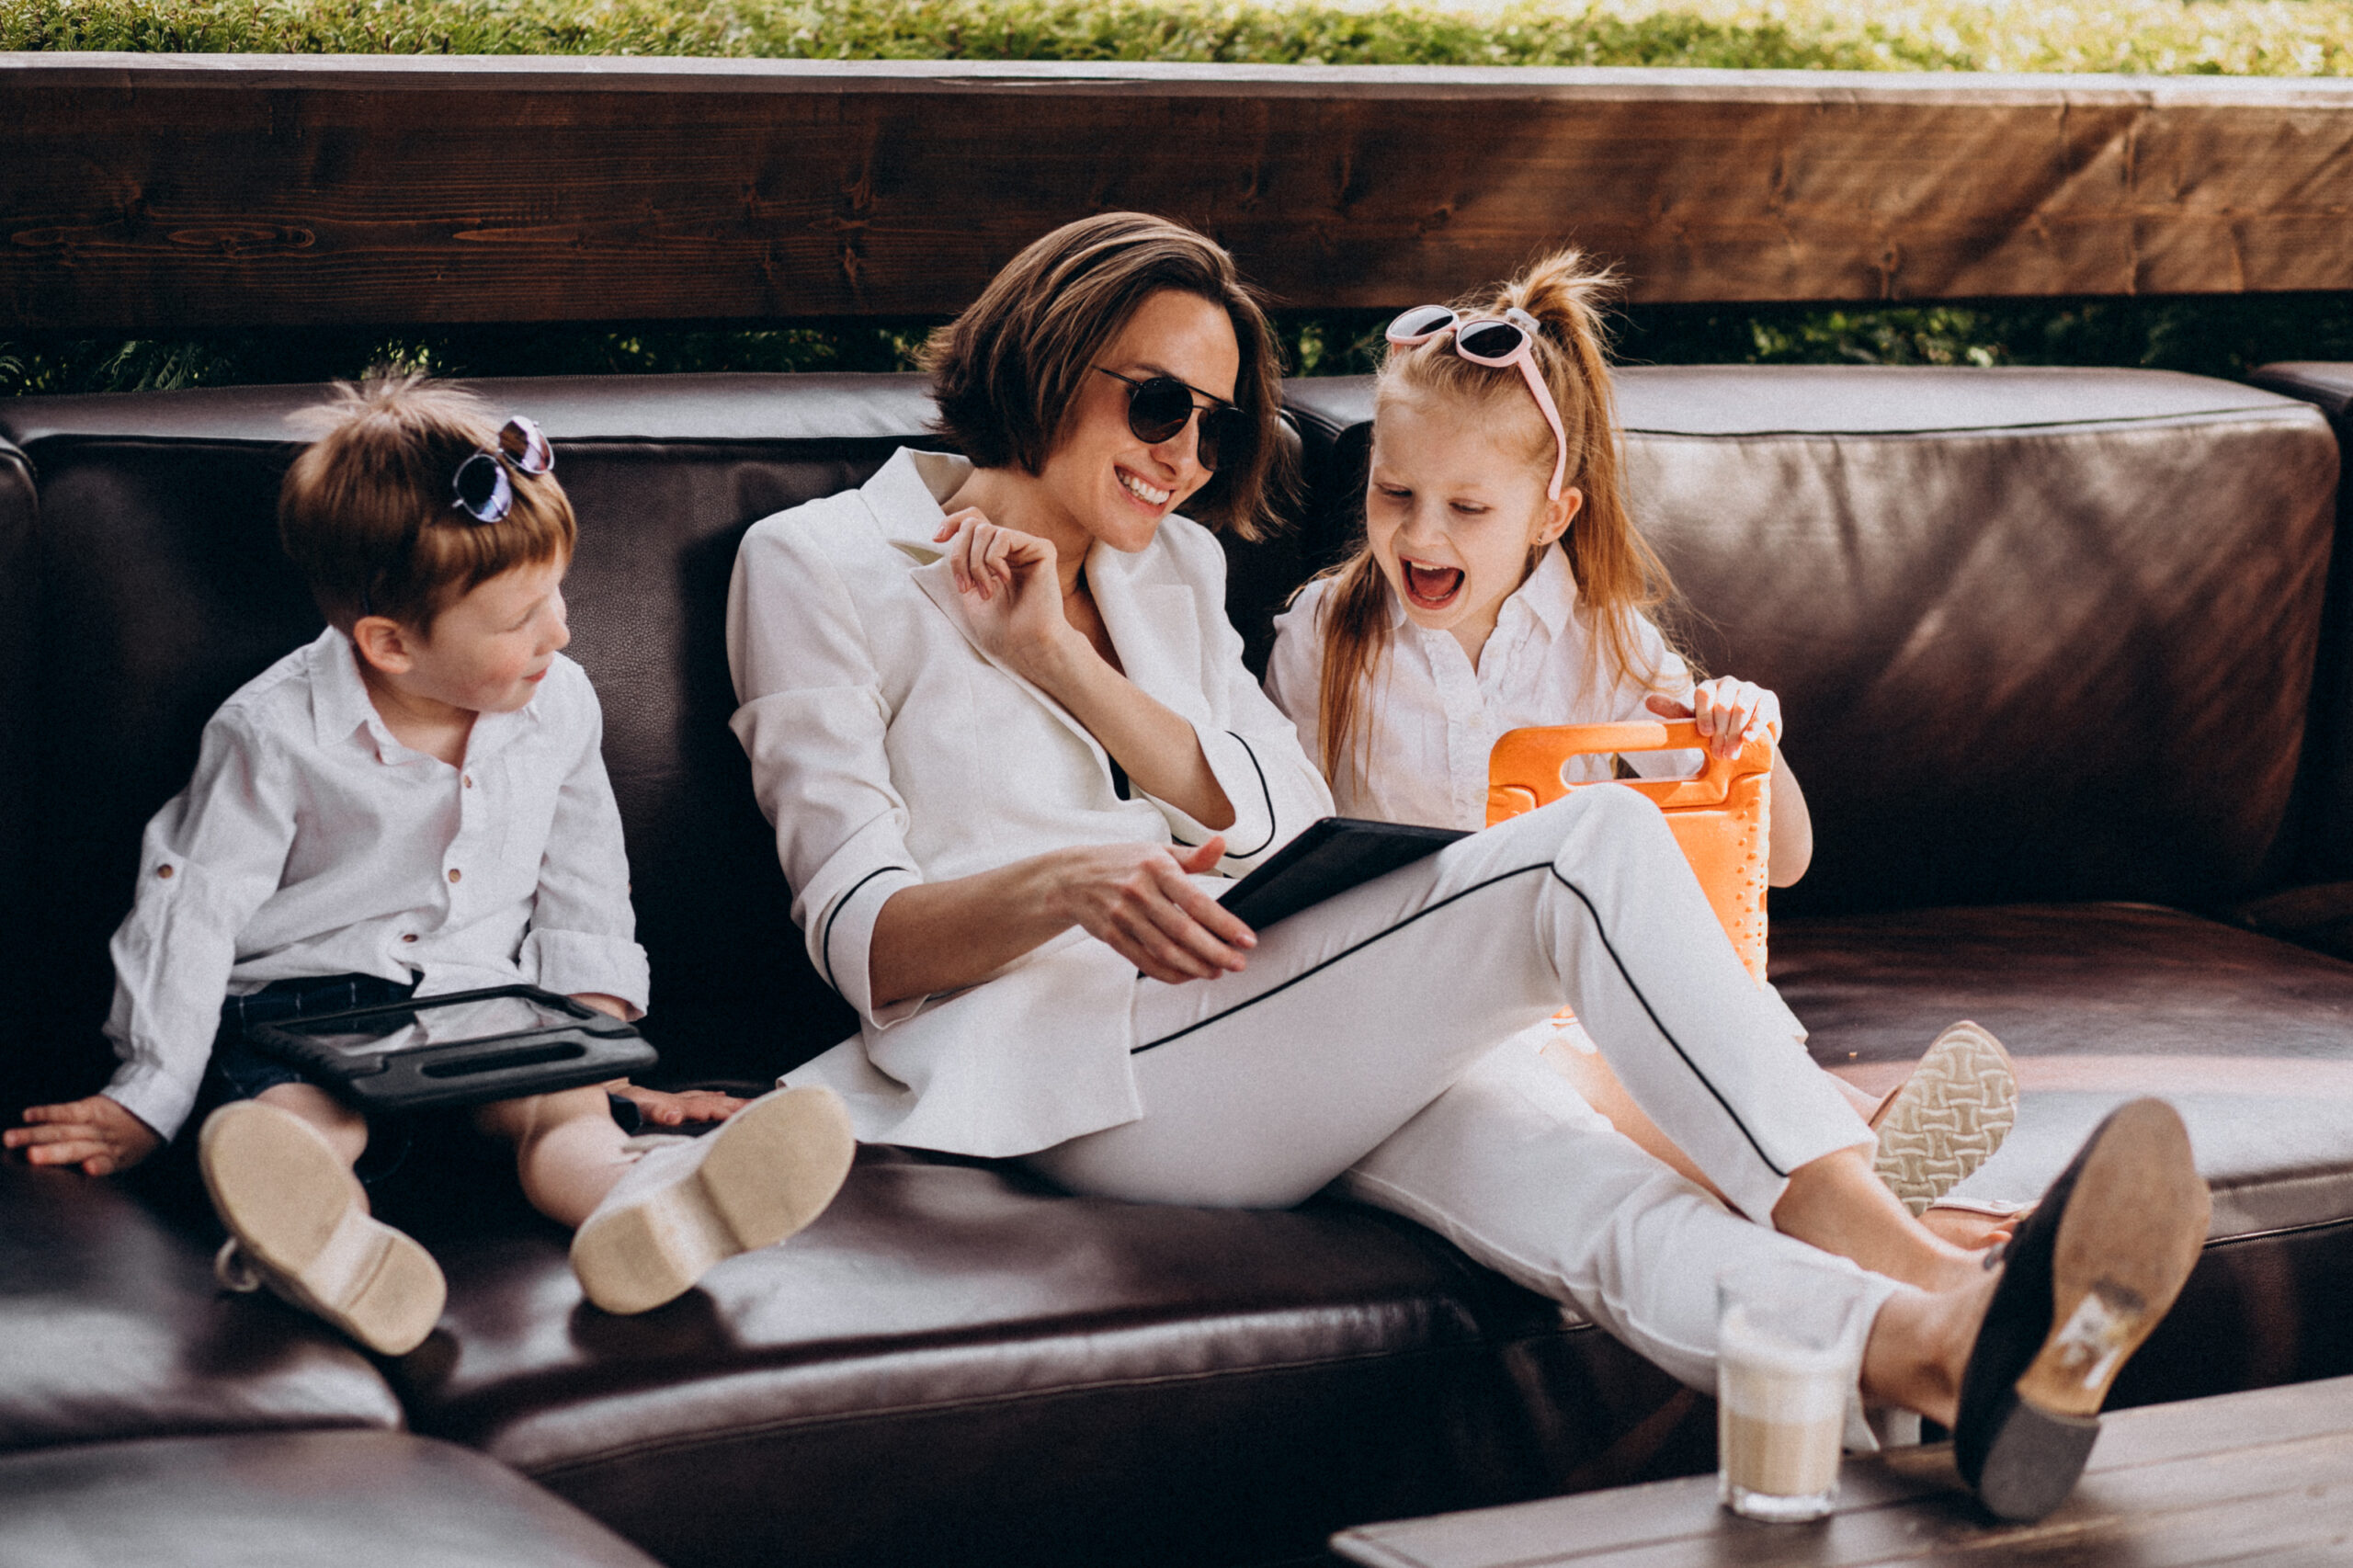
{"x": 1359, "y": 1046}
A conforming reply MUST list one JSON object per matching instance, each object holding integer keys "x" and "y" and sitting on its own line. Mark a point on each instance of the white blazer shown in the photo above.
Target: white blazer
{"x": 888, "y": 749}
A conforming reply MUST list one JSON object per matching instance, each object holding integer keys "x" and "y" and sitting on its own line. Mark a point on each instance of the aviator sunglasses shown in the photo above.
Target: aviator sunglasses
{"x": 1496, "y": 342}
{"x": 480, "y": 486}
{"x": 1158, "y": 407}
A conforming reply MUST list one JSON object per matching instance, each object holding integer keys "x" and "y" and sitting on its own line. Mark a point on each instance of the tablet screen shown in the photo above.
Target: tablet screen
{"x": 413, "y": 1029}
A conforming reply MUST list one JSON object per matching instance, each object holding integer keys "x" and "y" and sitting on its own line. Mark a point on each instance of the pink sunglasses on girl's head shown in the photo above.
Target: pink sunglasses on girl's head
{"x": 1495, "y": 342}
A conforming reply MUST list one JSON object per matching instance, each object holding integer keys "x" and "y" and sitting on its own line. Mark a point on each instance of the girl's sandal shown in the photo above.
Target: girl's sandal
{"x": 1948, "y": 1117}
{"x": 298, "y": 1223}
{"x": 2085, "y": 1280}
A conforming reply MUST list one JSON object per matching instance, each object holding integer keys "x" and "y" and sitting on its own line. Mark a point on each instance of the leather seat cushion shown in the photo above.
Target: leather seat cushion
{"x": 319, "y": 1497}
{"x": 111, "y": 1328}
{"x": 2098, "y": 1004}
{"x": 958, "y": 1364}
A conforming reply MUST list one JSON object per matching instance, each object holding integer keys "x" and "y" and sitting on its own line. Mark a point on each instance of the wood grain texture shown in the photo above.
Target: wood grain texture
{"x": 2260, "y": 1477}
{"x": 142, "y": 192}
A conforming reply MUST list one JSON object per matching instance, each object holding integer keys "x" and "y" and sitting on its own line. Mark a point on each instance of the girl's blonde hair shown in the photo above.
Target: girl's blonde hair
{"x": 1619, "y": 577}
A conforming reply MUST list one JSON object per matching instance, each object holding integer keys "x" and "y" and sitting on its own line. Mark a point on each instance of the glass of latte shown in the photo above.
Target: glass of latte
{"x": 1788, "y": 1348}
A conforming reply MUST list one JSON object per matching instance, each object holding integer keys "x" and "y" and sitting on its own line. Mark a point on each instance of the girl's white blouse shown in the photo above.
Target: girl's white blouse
{"x": 889, "y": 749}
{"x": 1436, "y": 718}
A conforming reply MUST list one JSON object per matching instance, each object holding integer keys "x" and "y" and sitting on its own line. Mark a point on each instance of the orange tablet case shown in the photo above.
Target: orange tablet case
{"x": 1719, "y": 817}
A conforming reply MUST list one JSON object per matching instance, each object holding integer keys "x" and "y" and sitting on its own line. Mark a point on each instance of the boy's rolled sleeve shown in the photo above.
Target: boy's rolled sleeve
{"x": 208, "y": 859}
{"x": 583, "y": 933}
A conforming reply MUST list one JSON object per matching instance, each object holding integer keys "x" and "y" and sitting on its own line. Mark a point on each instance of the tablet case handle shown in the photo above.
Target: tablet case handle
{"x": 1721, "y": 816}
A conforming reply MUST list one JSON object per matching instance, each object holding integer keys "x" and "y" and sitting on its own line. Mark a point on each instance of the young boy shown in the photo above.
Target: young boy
{"x": 413, "y": 804}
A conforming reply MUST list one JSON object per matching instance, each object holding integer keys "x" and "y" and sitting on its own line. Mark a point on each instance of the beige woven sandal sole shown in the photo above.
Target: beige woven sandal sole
{"x": 1948, "y": 1117}
{"x": 300, "y": 1219}
{"x": 767, "y": 1173}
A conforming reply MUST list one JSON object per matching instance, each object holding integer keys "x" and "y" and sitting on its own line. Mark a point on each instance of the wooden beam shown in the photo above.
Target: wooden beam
{"x": 143, "y": 193}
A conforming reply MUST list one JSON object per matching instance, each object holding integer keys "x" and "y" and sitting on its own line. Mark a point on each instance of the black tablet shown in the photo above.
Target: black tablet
{"x": 467, "y": 1048}
{"x": 1334, "y": 855}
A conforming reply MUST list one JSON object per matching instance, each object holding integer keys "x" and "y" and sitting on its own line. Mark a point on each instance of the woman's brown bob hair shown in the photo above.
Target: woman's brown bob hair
{"x": 1008, "y": 371}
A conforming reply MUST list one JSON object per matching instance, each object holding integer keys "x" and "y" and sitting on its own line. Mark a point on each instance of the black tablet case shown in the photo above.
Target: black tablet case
{"x": 592, "y": 1049}
{"x": 1331, "y": 855}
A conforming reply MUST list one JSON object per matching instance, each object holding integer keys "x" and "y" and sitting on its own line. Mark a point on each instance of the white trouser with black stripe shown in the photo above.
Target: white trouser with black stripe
{"x": 1359, "y": 1045}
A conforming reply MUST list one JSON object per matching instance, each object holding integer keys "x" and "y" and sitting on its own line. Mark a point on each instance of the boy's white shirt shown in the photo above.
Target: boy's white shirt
{"x": 1437, "y": 718}
{"x": 310, "y": 842}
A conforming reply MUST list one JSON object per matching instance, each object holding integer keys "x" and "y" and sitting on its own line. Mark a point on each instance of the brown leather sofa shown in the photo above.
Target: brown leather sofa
{"x": 2048, "y": 642}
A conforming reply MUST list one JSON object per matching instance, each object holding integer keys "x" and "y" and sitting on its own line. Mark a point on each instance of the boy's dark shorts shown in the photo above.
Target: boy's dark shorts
{"x": 239, "y": 1072}
{"x": 245, "y": 1071}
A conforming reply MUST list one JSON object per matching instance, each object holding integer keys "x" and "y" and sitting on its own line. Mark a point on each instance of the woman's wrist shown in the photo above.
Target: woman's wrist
{"x": 1060, "y": 662}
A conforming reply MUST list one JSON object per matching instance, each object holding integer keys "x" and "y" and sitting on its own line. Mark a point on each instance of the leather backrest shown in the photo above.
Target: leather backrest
{"x": 2319, "y": 843}
{"x": 2038, "y": 634}
{"x": 18, "y": 582}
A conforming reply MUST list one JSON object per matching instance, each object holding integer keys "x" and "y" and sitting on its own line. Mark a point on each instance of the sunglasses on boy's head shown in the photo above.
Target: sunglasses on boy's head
{"x": 482, "y": 490}
{"x": 1498, "y": 343}
{"x": 1158, "y": 407}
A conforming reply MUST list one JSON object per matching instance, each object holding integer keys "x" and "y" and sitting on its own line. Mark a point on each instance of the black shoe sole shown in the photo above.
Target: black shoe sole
{"x": 2087, "y": 1277}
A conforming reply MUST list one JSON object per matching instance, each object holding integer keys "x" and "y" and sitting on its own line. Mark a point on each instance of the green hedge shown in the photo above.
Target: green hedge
{"x": 1199, "y": 30}
{"x": 2221, "y": 336}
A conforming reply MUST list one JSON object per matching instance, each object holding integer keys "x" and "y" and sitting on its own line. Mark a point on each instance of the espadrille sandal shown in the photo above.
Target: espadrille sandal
{"x": 1948, "y": 1117}
{"x": 765, "y": 1172}
{"x": 2085, "y": 1280}
{"x": 299, "y": 1225}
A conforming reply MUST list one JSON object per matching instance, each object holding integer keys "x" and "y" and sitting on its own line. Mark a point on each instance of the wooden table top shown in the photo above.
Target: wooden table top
{"x": 2263, "y": 1477}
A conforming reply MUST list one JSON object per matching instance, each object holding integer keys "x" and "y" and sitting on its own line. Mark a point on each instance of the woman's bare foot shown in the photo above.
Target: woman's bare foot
{"x": 1919, "y": 1346}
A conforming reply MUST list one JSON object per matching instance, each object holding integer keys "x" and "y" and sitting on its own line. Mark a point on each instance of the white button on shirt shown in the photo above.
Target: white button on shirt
{"x": 310, "y": 842}
{"x": 1438, "y": 718}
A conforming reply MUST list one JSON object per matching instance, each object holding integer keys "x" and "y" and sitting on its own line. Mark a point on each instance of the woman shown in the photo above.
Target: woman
{"x": 1002, "y": 725}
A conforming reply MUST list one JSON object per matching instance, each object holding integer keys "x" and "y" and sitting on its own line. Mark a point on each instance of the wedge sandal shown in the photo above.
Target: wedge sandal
{"x": 1948, "y": 1117}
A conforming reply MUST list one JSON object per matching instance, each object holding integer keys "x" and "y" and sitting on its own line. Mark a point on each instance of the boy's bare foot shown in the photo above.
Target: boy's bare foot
{"x": 767, "y": 1172}
{"x": 298, "y": 1222}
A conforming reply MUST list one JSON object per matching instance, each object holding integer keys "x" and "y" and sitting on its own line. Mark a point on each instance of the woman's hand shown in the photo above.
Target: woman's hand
{"x": 1011, "y": 586}
{"x": 97, "y": 1134}
{"x": 1139, "y": 899}
{"x": 1730, "y": 714}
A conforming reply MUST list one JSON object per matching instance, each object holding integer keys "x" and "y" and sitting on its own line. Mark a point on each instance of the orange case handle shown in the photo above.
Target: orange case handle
{"x": 1524, "y": 770}
{"x": 1719, "y": 817}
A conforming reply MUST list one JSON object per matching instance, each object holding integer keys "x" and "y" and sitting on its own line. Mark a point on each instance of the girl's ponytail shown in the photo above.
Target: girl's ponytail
{"x": 1620, "y": 578}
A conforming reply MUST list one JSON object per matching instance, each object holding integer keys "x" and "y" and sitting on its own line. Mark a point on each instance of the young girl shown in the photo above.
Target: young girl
{"x": 1502, "y": 584}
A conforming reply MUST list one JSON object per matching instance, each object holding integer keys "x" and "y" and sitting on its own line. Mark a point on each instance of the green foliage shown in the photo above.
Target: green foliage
{"x": 1526, "y": 33}
{"x": 2224, "y": 336}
